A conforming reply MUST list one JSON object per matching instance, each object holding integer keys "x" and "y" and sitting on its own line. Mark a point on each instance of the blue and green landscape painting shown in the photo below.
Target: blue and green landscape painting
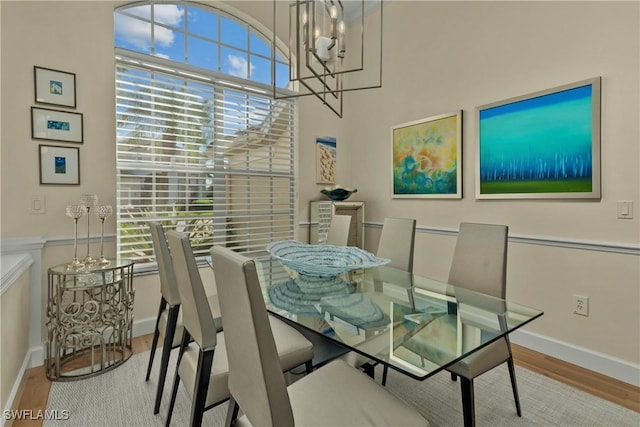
{"x": 538, "y": 145}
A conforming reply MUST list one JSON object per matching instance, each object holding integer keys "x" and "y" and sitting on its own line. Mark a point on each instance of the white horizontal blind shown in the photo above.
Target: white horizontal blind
{"x": 206, "y": 157}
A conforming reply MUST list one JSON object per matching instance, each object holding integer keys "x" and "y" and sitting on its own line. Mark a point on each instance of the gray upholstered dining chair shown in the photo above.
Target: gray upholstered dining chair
{"x": 202, "y": 364}
{"x": 169, "y": 319}
{"x": 397, "y": 241}
{"x": 480, "y": 264}
{"x": 333, "y": 395}
{"x": 338, "y": 234}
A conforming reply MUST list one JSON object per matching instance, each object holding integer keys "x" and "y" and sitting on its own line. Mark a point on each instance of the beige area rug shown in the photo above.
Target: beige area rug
{"x": 122, "y": 398}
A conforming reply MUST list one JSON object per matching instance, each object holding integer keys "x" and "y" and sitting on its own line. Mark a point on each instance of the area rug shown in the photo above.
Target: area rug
{"x": 122, "y": 398}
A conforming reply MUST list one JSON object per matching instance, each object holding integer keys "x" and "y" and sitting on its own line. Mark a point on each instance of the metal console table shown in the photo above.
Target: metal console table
{"x": 90, "y": 318}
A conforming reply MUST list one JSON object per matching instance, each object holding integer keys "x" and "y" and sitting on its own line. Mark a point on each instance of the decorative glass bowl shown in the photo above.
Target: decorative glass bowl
{"x": 338, "y": 193}
{"x": 322, "y": 260}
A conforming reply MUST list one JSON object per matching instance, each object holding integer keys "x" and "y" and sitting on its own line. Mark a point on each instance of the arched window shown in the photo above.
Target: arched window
{"x": 202, "y": 146}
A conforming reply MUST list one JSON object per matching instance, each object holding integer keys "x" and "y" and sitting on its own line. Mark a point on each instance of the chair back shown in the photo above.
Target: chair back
{"x": 256, "y": 381}
{"x": 196, "y": 313}
{"x": 480, "y": 259}
{"x": 397, "y": 241}
{"x": 338, "y": 234}
{"x": 168, "y": 285}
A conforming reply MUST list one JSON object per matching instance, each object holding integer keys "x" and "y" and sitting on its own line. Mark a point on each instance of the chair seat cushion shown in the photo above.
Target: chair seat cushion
{"x": 338, "y": 395}
{"x": 162, "y": 327}
{"x": 293, "y": 348}
{"x": 219, "y": 377}
{"x": 214, "y": 305}
{"x": 482, "y": 360}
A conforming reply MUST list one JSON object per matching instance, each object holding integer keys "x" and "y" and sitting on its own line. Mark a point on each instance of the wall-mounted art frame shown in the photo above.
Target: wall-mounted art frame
{"x": 541, "y": 145}
{"x": 54, "y": 87}
{"x": 56, "y": 125}
{"x": 59, "y": 165}
{"x": 426, "y": 158}
{"x": 326, "y": 156}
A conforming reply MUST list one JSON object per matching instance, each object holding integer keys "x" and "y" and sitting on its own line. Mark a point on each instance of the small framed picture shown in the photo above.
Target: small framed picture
{"x": 54, "y": 87}
{"x": 56, "y": 125}
{"x": 59, "y": 165}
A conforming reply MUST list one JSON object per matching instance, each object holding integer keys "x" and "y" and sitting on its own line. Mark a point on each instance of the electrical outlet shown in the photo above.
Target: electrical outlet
{"x": 581, "y": 305}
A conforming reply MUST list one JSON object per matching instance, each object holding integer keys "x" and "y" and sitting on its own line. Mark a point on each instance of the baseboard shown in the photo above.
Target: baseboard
{"x": 32, "y": 358}
{"x": 594, "y": 361}
{"x": 144, "y": 326}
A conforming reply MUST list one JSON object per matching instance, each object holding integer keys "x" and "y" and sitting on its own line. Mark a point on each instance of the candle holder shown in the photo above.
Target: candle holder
{"x": 88, "y": 201}
{"x": 75, "y": 212}
{"x": 102, "y": 212}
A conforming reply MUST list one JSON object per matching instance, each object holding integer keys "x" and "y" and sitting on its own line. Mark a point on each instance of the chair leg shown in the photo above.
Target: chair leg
{"x": 514, "y": 385}
{"x": 308, "y": 366}
{"x": 369, "y": 369}
{"x": 169, "y": 333}
{"x": 176, "y": 379}
{"x": 468, "y": 405}
{"x": 232, "y": 412}
{"x": 156, "y": 333}
{"x": 203, "y": 370}
{"x": 385, "y": 370}
{"x": 454, "y": 377}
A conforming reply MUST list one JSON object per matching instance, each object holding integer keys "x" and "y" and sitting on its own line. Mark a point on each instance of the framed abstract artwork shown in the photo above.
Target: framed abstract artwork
{"x": 426, "y": 157}
{"x": 541, "y": 145}
{"x": 54, "y": 87}
{"x": 326, "y": 160}
{"x": 56, "y": 125}
{"x": 59, "y": 165}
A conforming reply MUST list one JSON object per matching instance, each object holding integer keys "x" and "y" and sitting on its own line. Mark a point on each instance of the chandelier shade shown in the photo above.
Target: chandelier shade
{"x": 329, "y": 51}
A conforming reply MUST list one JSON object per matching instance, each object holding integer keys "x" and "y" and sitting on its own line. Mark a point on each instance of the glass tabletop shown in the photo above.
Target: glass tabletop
{"x": 413, "y": 324}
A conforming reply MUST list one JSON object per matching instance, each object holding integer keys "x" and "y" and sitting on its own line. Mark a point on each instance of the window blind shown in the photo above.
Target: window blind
{"x": 204, "y": 156}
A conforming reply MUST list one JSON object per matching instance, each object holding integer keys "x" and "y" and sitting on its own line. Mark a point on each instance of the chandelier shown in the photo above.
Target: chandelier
{"x": 329, "y": 51}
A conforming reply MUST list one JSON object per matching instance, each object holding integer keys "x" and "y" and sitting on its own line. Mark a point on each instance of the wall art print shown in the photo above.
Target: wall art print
{"x": 427, "y": 157}
{"x": 541, "y": 145}
{"x": 326, "y": 160}
{"x": 59, "y": 165}
{"x": 56, "y": 125}
{"x": 54, "y": 87}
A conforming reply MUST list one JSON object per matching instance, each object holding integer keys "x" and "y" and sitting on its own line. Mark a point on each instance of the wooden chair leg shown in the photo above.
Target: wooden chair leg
{"x": 369, "y": 369}
{"x": 468, "y": 405}
{"x": 170, "y": 331}
{"x": 232, "y": 412}
{"x": 385, "y": 370}
{"x": 514, "y": 385}
{"x": 176, "y": 379}
{"x": 156, "y": 334}
{"x": 203, "y": 370}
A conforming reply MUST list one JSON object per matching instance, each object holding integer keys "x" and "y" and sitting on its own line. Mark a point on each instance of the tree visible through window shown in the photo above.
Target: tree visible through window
{"x": 201, "y": 144}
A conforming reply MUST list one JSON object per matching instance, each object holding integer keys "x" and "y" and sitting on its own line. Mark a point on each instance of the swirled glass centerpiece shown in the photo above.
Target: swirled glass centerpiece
{"x": 314, "y": 266}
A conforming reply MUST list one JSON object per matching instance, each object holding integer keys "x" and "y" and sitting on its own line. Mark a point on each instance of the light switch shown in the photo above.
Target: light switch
{"x": 625, "y": 209}
{"x": 37, "y": 205}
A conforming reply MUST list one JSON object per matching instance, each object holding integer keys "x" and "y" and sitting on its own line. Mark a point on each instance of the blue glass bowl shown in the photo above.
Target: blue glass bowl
{"x": 319, "y": 261}
{"x": 337, "y": 193}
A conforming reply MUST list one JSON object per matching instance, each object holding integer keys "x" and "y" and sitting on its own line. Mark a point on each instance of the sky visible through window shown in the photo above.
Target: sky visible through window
{"x": 199, "y": 37}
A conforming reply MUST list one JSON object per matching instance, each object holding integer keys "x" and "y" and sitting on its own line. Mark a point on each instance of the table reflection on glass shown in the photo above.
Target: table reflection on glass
{"x": 412, "y": 324}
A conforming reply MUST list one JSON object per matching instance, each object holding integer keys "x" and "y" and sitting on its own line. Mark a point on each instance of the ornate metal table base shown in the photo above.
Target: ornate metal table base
{"x": 90, "y": 318}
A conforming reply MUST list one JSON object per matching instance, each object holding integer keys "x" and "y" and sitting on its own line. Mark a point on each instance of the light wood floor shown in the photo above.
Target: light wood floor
{"x": 37, "y": 386}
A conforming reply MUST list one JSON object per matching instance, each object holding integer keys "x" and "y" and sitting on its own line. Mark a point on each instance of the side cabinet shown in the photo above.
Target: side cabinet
{"x": 322, "y": 211}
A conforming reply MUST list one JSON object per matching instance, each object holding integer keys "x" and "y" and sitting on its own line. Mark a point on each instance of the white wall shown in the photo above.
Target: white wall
{"x": 445, "y": 56}
{"x": 439, "y": 57}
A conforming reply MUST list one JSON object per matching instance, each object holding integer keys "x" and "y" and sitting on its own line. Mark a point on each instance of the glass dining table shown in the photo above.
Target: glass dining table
{"x": 415, "y": 325}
